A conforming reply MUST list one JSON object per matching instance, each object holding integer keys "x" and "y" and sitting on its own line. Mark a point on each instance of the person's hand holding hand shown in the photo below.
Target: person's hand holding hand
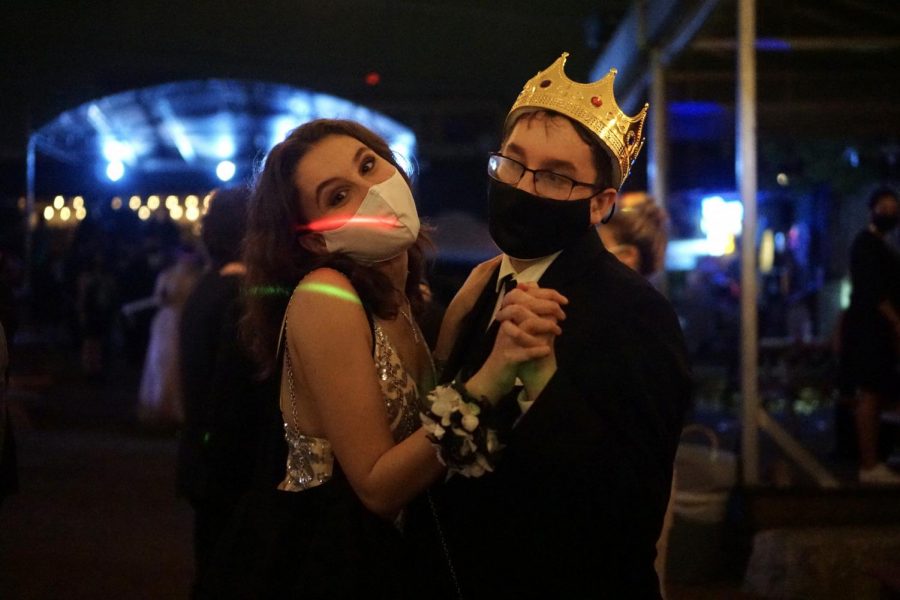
{"x": 529, "y": 323}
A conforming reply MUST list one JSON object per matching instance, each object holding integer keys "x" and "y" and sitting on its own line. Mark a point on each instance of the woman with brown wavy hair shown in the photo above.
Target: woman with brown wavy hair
{"x": 637, "y": 234}
{"x": 334, "y": 260}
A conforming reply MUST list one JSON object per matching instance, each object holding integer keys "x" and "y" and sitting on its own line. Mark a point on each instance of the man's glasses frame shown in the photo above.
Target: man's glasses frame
{"x": 562, "y": 190}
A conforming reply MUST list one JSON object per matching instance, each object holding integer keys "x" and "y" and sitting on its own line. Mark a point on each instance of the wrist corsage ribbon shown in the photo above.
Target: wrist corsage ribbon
{"x": 460, "y": 427}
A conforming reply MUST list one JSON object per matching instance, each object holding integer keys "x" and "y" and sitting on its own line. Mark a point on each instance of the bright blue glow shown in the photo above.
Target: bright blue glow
{"x": 682, "y": 255}
{"x": 115, "y": 170}
{"x": 281, "y": 127}
{"x": 192, "y": 126}
{"x": 224, "y": 147}
{"x": 404, "y": 148}
{"x": 721, "y": 220}
{"x": 225, "y": 170}
{"x": 115, "y": 150}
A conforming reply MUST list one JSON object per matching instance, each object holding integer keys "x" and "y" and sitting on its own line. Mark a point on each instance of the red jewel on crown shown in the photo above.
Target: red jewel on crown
{"x": 545, "y": 83}
{"x": 597, "y": 101}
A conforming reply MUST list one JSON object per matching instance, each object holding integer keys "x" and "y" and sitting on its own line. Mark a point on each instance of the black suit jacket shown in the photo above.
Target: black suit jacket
{"x": 575, "y": 507}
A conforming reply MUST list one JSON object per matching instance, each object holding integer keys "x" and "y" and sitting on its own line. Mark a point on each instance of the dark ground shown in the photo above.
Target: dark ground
{"x": 96, "y": 515}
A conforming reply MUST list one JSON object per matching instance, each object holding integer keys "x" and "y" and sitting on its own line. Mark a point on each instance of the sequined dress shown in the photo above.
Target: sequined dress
{"x": 310, "y": 460}
{"x": 313, "y": 537}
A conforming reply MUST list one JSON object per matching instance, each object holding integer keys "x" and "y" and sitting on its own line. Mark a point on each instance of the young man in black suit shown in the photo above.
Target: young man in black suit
{"x": 575, "y": 504}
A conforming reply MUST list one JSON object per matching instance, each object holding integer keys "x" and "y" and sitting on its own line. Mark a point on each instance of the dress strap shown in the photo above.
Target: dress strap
{"x": 282, "y": 348}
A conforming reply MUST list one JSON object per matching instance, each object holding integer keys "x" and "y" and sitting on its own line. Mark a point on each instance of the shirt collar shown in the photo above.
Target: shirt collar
{"x": 530, "y": 274}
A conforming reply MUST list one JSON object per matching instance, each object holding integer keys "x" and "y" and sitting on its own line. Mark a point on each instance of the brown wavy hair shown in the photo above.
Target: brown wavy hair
{"x": 642, "y": 223}
{"x": 276, "y": 262}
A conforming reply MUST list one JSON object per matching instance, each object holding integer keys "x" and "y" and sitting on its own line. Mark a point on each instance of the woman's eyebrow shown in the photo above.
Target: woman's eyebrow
{"x": 356, "y": 157}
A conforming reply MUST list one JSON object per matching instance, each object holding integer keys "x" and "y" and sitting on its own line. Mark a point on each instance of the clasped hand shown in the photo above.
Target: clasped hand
{"x": 529, "y": 318}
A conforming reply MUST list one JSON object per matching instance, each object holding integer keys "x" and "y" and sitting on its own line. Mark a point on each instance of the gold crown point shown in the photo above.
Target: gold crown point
{"x": 619, "y": 134}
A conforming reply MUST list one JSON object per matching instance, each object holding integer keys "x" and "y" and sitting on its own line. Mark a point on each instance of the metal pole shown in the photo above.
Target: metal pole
{"x": 658, "y": 157}
{"x": 745, "y": 167}
{"x": 658, "y": 163}
{"x": 30, "y": 216}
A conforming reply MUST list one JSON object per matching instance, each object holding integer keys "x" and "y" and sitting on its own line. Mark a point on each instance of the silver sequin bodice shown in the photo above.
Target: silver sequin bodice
{"x": 310, "y": 460}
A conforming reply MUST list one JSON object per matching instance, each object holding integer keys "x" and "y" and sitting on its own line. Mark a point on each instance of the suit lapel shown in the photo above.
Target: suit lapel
{"x": 475, "y": 340}
{"x": 472, "y": 330}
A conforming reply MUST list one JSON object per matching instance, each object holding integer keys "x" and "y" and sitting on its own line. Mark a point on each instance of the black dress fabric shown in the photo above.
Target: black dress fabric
{"x": 231, "y": 442}
{"x": 319, "y": 543}
{"x": 869, "y": 358}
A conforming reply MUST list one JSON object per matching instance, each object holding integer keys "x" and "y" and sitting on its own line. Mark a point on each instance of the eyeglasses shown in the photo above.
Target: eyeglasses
{"x": 546, "y": 183}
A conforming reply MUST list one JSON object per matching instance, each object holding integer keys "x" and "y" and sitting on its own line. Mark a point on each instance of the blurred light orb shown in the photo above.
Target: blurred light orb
{"x": 59, "y": 202}
{"x": 192, "y": 213}
{"x": 143, "y": 213}
{"x": 782, "y": 179}
{"x": 192, "y": 201}
{"x": 153, "y": 202}
{"x": 116, "y": 203}
{"x": 65, "y": 213}
{"x": 176, "y": 212}
{"x": 134, "y": 202}
{"x": 80, "y": 213}
{"x": 48, "y": 213}
{"x": 225, "y": 170}
{"x": 77, "y": 202}
{"x": 115, "y": 170}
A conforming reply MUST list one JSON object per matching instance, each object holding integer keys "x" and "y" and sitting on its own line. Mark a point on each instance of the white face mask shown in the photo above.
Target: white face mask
{"x": 385, "y": 225}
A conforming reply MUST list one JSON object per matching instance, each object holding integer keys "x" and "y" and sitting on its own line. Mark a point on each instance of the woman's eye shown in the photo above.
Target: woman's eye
{"x": 337, "y": 198}
{"x": 367, "y": 164}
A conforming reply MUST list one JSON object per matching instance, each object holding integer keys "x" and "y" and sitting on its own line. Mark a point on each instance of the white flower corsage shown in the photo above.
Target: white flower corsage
{"x": 457, "y": 424}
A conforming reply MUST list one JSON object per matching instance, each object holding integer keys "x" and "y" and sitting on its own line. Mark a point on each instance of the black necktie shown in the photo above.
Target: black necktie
{"x": 509, "y": 283}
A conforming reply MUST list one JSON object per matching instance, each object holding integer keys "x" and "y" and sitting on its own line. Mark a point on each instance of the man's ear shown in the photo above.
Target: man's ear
{"x": 601, "y": 204}
{"x": 312, "y": 242}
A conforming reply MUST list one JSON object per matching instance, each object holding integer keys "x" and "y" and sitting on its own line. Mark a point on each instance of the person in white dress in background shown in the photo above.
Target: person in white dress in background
{"x": 160, "y": 401}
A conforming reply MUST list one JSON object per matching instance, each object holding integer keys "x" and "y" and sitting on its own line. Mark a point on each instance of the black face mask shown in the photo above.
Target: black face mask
{"x": 526, "y": 226}
{"x": 885, "y": 223}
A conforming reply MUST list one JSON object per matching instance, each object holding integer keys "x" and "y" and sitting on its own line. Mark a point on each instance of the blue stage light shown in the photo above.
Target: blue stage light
{"x": 115, "y": 170}
{"x": 225, "y": 170}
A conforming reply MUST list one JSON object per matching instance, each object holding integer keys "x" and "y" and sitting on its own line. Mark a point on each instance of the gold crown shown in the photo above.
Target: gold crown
{"x": 591, "y": 104}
